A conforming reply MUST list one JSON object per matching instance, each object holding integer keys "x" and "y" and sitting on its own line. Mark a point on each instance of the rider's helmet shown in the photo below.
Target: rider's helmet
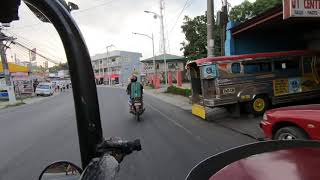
{"x": 133, "y": 78}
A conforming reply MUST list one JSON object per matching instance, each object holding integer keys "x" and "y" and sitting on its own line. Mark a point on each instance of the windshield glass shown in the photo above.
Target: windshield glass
{"x": 187, "y": 78}
{"x": 43, "y": 86}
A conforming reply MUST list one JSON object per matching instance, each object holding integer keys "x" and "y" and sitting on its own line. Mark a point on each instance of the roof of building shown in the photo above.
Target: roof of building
{"x": 273, "y": 13}
{"x": 169, "y": 57}
{"x": 250, "y": 56}
{"x": 272, "y": 19}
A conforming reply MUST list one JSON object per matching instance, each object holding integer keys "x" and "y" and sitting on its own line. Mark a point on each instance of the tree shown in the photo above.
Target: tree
{"x": 61, "y": 66}
{"x": 247, "y": 10}
{"x": 195, "y": 44}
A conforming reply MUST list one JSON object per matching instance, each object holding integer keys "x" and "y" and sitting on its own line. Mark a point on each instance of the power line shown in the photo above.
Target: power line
{"x": 36, "y": 44}
{"x": 51, "y": 60}
{"x": 184, "y": 8}
{"x": 93, "y": 7}
{"x": 39, "y": 51}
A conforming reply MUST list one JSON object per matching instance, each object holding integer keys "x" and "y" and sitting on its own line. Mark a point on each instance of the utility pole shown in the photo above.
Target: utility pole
{"x": 224, "y": 21}
{"x": 109, "y": 68}
{"x": 163, "y": 38}
{"x": 154, "y": 56}
{"x": 5, "y": 66}
{"x": 163, "y": 41}
{"x": 210, "y": 29}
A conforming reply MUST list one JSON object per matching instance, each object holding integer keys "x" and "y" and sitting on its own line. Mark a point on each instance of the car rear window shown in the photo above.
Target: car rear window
{"x": 43, "y": 86}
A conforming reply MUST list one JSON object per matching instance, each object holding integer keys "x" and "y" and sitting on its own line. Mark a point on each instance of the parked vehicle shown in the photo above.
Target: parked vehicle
{"x": 45, "y": 89}
{"x": 294, "y": 122}
{"x": 100, "y": 157}
{"x": 255, "y": 80}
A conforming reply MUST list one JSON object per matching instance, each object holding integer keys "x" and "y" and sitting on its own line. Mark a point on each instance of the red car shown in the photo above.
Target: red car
{"x": 295, "y": 122}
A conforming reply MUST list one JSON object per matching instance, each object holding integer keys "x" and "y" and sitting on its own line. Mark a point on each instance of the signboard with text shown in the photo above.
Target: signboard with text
{"x": 301, "y": 8}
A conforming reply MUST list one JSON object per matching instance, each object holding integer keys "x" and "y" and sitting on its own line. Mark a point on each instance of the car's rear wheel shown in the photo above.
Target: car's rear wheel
{"x": 290, "y": 133}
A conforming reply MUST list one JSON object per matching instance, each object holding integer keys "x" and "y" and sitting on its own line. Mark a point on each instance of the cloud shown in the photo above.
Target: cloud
{"x": 105, "y": 22}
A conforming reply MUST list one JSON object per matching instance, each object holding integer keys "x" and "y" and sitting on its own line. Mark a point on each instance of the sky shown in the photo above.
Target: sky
{"x": 105, "y": 22}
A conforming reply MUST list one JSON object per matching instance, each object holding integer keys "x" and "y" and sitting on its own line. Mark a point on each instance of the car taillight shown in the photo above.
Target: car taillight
{"x": 265, "y": 117}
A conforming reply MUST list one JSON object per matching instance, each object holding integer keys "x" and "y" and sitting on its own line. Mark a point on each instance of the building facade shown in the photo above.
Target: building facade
{"x": 174, "y": 64}
{"x": 270, "y": 32}
{"x": 115, "y": 67}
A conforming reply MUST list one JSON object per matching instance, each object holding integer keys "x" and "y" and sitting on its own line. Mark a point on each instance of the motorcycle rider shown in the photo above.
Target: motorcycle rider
{"x": 133, "y": 82}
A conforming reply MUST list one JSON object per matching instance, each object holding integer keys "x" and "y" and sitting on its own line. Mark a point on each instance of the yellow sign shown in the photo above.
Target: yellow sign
{"x": 280, "y": 87}
{"x": 13, "y": 68}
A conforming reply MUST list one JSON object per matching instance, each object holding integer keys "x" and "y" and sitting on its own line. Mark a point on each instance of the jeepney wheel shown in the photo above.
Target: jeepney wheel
{"x": 258, "y": 105}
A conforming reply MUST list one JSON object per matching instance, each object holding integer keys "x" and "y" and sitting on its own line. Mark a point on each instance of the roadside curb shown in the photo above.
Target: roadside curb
{"x": 28, "y": 101}
{"x": 175, "y": 100}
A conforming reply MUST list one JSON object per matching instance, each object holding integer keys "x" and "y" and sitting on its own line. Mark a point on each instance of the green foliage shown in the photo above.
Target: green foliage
{"x": 179, "y": 91}
{"x": 247, "y": 10}
{"x": 61, "y": 66}
{"x": 195, "y": 30}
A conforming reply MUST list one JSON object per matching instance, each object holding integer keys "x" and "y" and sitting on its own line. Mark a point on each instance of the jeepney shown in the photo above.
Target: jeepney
{"x": 254, "y": 80}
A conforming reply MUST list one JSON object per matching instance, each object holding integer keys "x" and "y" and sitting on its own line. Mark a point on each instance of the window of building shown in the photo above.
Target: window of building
{"x": 252, "y": 68}
{"x": 171, "y": 66}
{"x": 236, "y": 68}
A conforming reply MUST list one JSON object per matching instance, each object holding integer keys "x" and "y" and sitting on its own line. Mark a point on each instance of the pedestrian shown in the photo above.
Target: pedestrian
{"x": 67, "y": 86}
{"x": 35, "y": 84}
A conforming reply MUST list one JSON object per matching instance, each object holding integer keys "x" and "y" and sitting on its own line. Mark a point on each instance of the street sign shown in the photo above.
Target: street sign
{"x": 301, "y": 8}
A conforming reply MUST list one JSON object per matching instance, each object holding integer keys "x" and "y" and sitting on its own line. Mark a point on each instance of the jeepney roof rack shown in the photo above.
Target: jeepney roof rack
{"x": 204, "y": 61}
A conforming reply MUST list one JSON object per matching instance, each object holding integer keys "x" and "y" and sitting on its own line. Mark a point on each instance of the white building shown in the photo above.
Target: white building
{"x": 117, "y": 66}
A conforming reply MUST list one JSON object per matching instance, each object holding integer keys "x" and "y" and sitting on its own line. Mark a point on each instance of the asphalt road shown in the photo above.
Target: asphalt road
{"x": 173, "y": 141}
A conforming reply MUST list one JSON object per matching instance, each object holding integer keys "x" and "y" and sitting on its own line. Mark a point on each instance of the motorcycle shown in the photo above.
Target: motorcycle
{"x": 136, "y": 106}
{"x": 100, "y": 158}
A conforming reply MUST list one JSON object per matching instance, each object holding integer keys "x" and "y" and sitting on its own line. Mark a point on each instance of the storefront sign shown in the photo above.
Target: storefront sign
{"x": 301, "y": 8}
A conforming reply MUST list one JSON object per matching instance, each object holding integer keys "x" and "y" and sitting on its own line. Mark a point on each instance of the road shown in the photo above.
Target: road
{"x": 32, "y": 136}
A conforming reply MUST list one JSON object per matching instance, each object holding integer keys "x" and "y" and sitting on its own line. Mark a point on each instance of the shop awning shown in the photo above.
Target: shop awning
{"x": 113, "y": 76}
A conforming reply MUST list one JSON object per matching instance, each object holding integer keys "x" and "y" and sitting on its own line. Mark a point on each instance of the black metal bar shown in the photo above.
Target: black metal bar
{"x": 82, "y": 76}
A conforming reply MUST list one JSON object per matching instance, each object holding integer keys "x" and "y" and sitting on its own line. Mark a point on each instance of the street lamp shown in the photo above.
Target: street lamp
{"x": 155, "y": 15}
{"x": 154, "y": 57}
{"x": 109, "y": 68}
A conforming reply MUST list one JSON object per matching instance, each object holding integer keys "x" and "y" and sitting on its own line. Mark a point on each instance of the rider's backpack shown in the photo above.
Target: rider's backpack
{"x": 135, "y": 90}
